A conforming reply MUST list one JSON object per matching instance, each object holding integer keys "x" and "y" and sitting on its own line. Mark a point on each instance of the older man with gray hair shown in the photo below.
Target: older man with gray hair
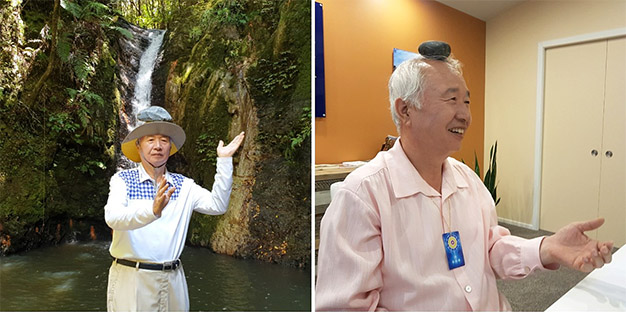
{"x": 149, "y": 210}
{"x": 415, "y": 229}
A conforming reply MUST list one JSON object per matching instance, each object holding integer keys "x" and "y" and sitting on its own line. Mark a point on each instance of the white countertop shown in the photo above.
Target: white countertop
{"x": 603, "y": 289}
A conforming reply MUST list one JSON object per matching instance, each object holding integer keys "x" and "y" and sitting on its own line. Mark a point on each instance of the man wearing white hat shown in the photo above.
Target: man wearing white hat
{"x": 149, "y": 210}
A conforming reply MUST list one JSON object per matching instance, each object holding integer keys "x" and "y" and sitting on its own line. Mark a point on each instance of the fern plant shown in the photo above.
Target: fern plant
{"x": 95, "y": 11}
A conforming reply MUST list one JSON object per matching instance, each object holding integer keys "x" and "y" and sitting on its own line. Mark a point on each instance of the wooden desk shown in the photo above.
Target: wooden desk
{"x": 332, "y": 171}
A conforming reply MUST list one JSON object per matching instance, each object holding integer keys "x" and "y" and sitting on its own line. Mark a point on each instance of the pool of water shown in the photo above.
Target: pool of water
{"x": 74, "y": 277}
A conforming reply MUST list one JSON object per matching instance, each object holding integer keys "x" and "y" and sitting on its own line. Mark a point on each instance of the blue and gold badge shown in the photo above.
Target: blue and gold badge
{"x": 454, "y": 251}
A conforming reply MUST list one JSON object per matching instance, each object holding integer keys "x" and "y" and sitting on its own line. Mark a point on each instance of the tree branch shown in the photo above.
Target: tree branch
{"x": 53, "y": 50}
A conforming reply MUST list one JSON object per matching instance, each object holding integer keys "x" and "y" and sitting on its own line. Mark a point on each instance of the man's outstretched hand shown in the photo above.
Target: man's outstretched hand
{"x": 231, "y": 148}
{"x": 572, "y": 248}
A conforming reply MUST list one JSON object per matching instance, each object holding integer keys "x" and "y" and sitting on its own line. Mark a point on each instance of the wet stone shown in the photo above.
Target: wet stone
{"x": 437, "y": 50}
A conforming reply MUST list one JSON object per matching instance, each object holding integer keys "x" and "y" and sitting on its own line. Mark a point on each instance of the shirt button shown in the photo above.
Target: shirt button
{"x": 468, "y": 289}
{"x": 526, "y": 270}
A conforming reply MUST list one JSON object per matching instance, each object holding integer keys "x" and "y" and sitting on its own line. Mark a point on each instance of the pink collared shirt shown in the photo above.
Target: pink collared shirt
{"x": 381, "y": 245}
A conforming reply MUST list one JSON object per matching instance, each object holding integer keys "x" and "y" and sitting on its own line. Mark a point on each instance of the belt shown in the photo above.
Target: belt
{"x": 166, "y": 266}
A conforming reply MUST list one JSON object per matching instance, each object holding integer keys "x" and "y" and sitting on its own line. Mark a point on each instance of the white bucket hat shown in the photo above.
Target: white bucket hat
{"x": 157, "y": 121}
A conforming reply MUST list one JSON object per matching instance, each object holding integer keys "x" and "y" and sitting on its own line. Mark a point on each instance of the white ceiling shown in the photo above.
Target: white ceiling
{"x": 481, "y": 9}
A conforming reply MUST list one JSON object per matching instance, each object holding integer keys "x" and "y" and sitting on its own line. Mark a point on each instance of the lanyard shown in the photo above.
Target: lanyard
{"x": 451, "y": 240}
{"x": 444, "y": 222}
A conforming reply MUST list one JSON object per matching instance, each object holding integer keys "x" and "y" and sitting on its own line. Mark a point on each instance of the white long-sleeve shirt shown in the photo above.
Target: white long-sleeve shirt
{"x": 140, "y": 235}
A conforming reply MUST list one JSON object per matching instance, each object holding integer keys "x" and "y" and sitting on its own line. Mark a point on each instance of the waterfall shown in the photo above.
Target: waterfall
{"x": 142, "y": 80}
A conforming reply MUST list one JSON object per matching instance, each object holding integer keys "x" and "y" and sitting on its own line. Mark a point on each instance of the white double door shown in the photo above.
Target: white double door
{"x": 584, "y": 139}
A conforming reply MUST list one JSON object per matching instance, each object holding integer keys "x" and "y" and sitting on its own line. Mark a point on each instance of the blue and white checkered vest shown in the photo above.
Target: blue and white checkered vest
{"x": 146, "y": 190}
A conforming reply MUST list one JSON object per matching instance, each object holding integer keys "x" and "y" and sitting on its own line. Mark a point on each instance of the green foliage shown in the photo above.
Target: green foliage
{"x": 73, "y": 8}
{"x": 93, "y": 98}
{"x": 147, "y": 14}
{"x": 295, "y": 138}
{"x": 125, "y": 32}
{"x": 280, "y": 74}
{"x": 200, "y": 229}
{"x": 490, "y": 176}
{"x": 88, "y": 10}
{"x": 90, "y": 166}
{"x": 226, "y": 21}
{"x": 62, "y": 123}
{"x": 81, "y": 66}
{"x": 55, "y": 153}
{"x": 93, "y": 11}
{"x": 224, "y": 13}
{"x": 206, "y": 146}
{"x": 195, "y": 33}
{"x": 14, "y": 56}
{"x": 64, "y": 46}
{"x": 34, "y": 22}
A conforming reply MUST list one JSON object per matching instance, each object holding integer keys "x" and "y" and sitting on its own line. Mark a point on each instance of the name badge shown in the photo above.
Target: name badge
{"x": 454, "y": 251}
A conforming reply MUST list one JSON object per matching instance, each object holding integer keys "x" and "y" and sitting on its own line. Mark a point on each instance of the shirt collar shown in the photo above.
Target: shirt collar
{"x": 143, "y": 175}
{"x": 407, "y": 181}
{"x": 452, "y": 179}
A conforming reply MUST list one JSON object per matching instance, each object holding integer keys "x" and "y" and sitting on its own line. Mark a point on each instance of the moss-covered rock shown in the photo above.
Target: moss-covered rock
{"x": 57, "y": 153}
{"x": 246, "y": 67}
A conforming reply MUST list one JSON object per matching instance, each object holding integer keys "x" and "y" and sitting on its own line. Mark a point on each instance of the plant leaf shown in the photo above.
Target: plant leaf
{"x": 63, "y": 47}
{"x": 476, "y": 166}
{"x": 125, "y": 32}
{"x": 73, "y": 8}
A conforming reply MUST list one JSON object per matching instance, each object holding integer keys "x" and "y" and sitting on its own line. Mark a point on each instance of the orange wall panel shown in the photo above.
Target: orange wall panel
{"x": 359, "y": 37}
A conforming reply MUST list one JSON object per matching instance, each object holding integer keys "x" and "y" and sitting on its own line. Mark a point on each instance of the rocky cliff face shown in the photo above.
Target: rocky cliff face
{"x": 251, "y": 76}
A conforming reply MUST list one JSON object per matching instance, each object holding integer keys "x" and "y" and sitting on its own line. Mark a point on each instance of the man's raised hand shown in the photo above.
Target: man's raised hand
{"x": 231, "y": 148}
{"x": 162, "y": 196}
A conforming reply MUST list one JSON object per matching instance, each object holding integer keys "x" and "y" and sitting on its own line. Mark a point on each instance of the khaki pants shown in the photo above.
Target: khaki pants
{"x": 132, "y": 289}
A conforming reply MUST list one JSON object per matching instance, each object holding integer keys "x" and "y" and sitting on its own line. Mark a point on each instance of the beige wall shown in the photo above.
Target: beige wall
{"x": 511, "y": 85}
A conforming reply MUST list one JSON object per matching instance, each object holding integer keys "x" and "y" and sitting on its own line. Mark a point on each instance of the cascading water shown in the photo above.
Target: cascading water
{"x": 143, "y": 87}
{"x": 143, "y": 82}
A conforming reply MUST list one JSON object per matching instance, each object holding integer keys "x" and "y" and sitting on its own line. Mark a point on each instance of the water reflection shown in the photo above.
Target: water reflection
{"x": 74, "y": 277}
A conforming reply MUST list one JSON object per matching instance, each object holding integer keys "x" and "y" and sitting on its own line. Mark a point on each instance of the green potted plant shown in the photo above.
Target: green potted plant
{"x": 490, "y": 175}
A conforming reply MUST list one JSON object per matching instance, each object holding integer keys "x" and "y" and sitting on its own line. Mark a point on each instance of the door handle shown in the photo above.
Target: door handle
{"x": 608, "y": 154}
{"x": 594, "y": 152}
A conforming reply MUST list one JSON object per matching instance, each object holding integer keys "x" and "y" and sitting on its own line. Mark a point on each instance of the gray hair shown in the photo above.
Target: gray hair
{"x": 407, "y": 82}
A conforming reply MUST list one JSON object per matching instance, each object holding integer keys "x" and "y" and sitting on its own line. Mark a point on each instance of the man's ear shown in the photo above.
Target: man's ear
{"x": 402, "y": 110}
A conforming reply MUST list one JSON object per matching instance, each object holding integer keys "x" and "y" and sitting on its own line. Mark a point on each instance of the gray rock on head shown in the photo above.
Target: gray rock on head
{"x": 154, "y": 113}
{"x": 434, "y": 50}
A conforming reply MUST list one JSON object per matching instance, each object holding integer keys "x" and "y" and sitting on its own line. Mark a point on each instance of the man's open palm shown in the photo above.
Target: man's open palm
{"x": 571, "y": 247}
{"x": 231, "y": 148}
